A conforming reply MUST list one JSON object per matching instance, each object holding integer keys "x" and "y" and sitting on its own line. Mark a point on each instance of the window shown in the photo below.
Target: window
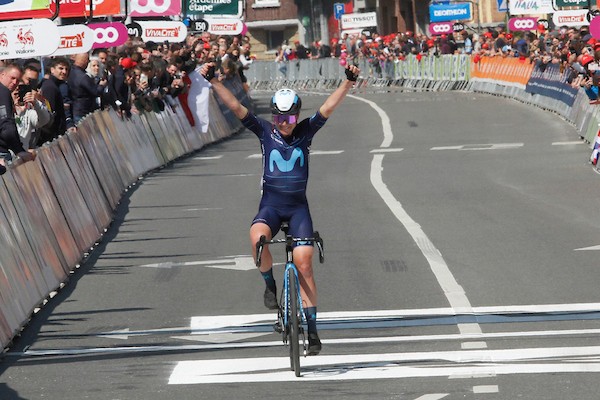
{"x": 274, "y": 39}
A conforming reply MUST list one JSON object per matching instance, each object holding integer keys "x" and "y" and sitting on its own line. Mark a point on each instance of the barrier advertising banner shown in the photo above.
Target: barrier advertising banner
{"x": 225, "y": 26}
{"x": 571, "y": 3}
{"x": 528, "y": 7}
{"x": 81, "y": 8}
{"x": 23, "y": 5}
{"x": 550, "y": 82}
{"x": 504, "y": 71}
{"x": 522, "y": 24}
{"x": 74, "y": 39}
{"x": 440, "y": 28}
{"x": 359, "y": 20}
{"x": 449, "y": 12}
{"x": 570, "y": 18}
{"x": 230, "y": 8}
{"x": 159, "y": 31}
{"x": 154, "y": 8}
{"x": 108, "y": 34}
{"x": 28, "y": 38}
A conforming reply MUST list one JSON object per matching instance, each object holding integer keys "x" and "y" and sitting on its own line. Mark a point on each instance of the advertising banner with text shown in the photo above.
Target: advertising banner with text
{"x": 504, "y": 71}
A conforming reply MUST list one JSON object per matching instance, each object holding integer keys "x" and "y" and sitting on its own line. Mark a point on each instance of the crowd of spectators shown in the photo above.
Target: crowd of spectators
{"x": 42, "y": 99}
{"x": 572, "y": 50}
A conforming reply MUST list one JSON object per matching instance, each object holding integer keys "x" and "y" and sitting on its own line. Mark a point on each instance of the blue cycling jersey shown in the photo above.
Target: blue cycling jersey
{"x": 285, "y": 173}
{"x": 285, "y": 162}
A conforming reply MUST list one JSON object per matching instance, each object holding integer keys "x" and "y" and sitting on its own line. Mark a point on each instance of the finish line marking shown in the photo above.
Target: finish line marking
{"x": 277, "y": 343}
{"x": 390, "y": 366}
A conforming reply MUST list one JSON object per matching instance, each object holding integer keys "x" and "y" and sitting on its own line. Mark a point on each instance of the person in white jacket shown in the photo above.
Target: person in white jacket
{"x": 31, "y": 114}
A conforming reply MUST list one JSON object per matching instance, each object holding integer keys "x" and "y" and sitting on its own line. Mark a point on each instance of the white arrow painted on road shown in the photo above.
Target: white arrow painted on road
{"x": 226, "y": 337}
{"x": 237, "y": 263}
{"x": 589, "y": 248}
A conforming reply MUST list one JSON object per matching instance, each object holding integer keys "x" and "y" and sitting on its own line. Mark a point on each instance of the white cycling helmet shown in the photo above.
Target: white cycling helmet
{"x": 285, "y": 102}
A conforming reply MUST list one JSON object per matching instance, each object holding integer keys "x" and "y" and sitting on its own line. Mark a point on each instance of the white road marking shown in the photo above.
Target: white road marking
{"x": 388, "y": 366}
{"x": 568, "y": 143}
{"x": 208, "y": 157}
{"x": 589, "y": 248}
{"x": 470, "y": 147}
{"x": 325, "y": 152}
{"x": 485, "y": 389}
{"x": 278, "y": 343}
{"x": 239, "y": 263}
{"x": 388, "y": 134}
{"x": 453, "y": 291}
{"x": 387, "y": 150}
{"x": 446, "y": 148}
{"x": 433, "y": 396}
{"x": 203, "y": 209}
{"x": 312, "y": 153}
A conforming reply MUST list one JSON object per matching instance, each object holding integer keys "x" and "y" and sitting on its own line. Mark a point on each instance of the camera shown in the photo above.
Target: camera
{"x": 23, "y": 90}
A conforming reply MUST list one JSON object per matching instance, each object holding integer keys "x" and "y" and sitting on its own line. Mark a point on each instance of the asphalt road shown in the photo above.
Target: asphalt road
{"x": 461, "y": 263}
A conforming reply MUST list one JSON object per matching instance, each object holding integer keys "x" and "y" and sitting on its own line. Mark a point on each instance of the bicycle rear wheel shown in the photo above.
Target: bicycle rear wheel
{"x": 293, "y": 321}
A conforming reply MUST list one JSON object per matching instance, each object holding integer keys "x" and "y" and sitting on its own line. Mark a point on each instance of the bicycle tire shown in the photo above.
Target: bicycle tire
{"x": 293, "y": 321}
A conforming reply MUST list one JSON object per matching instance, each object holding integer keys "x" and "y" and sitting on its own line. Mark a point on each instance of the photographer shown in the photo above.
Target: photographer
{"x": 31, "y": 114}
{"x": 587, "y": 77}
{"x": 10, "y": 76}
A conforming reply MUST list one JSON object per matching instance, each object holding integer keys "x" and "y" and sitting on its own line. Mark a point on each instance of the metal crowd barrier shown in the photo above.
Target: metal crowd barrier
{"x": 55, "y": 209}
{"x": 430, "y": 73}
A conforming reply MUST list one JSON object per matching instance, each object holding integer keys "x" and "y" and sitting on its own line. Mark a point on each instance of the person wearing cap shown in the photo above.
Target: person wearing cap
{"x": 285, "y": 143}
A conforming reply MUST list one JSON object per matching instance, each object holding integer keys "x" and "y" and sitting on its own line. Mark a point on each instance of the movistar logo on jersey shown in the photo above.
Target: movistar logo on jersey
{"x": 282, "y": 164}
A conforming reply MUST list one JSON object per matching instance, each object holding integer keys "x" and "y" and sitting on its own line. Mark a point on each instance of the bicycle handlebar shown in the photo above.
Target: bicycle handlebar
{"x": 289, "y": 241}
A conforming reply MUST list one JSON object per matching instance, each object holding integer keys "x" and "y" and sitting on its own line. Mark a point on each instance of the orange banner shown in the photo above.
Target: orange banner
{"x": 503, "y": 69}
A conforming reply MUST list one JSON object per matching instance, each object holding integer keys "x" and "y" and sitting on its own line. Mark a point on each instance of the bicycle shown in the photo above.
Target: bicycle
{"x": 290, "y": 315}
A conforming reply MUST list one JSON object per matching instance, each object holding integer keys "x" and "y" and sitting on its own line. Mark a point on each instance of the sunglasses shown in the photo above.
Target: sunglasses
{"x": 280, "y": 119}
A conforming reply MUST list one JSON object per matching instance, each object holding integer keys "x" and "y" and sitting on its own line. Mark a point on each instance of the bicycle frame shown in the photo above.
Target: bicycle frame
{"x": 291, "y": 302}
{"x": 286, "y": 297}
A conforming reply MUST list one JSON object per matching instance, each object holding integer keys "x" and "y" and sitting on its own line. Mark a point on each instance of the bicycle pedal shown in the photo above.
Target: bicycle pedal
{"x": 277, "y": 327}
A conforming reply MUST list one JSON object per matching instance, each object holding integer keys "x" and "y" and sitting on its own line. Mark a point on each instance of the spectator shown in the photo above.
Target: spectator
{"x": 96, "y": 70}
{"x": 84, "y": 90}
{"x": 31, "y": 113}
{"x": 10, "y": 76}
{"x": 175, "y": 84}
{"x": 59, "y": 70}
{"x": 31, "y": 76}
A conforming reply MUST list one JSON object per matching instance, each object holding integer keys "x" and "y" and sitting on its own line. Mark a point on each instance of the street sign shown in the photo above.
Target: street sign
{"x": 338, "y": 10}
{"x": 225, "y": 8}
{"x": 502, "y": 5}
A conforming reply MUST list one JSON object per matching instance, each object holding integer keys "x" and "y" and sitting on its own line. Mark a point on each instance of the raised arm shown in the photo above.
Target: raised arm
{"x": 208, "y": 72}
{"x": 336, "y": 98}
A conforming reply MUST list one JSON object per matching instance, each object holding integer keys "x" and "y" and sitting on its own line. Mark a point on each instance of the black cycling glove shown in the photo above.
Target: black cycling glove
{"x": 351, "y": 76}
{"x": 210, "y": 74}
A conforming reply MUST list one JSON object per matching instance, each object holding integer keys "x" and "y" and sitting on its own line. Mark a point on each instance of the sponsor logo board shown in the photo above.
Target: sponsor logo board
{"x": 159, "y": 31}
{"x": 74, "y": 39}
{"x": 28, "y": 38}
{"x": 108, "y": 34}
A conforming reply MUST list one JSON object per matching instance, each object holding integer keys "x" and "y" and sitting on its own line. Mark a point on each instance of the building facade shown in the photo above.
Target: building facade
{"x": 272, "y": 23}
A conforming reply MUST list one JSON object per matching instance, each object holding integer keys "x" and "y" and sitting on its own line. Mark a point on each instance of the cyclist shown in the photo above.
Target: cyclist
{"x": 285, "y": 143}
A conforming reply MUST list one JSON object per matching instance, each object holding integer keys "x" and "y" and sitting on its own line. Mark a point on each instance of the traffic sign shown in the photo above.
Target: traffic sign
{"x": 338, "y": 10}
{"x": 502, "y": 5}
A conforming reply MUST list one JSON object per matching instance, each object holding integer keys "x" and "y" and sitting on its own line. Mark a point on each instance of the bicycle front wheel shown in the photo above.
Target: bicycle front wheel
{"x": 293, "y": 321}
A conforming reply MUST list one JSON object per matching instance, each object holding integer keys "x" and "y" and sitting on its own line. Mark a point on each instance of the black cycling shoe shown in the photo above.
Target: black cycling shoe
{"x": 314, "y": 344}
{"x": 270, "y": 299}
